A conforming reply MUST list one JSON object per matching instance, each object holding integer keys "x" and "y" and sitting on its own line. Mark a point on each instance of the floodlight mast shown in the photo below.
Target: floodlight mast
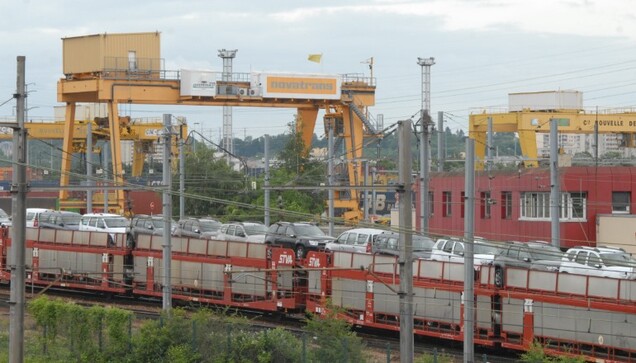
{"x": 228, "y": 142}
{"x": 425, "y": 124}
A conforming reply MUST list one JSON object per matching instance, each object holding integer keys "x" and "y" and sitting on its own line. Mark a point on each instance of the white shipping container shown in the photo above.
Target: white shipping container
{"x": 545, "y": 101}
{"x": 198, "y": 83}
{"x": 83, "y": 111}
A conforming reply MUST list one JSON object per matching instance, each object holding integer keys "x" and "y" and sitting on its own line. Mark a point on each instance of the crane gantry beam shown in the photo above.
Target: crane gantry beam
{"x": 528, "y": 123}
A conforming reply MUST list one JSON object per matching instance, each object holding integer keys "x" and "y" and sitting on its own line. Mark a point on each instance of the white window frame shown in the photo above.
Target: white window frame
{"x": 535, "y": 206}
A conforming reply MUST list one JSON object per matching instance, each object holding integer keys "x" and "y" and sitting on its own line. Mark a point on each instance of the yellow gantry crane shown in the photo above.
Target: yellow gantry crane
{"x": 127, "y": 69}
{"x": 528, "y": 123}
{"x": 143, "y": 133}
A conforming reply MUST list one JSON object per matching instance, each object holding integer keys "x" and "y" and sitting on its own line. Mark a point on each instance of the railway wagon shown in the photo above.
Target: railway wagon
{"x": 365, "y": 287}
{"x": 588, "y": 315}
{"x": 74, "y": 259}
{"x": 237, "y": 274}
{"x": 571, "y": 314}
{"x": 209, "y": 272}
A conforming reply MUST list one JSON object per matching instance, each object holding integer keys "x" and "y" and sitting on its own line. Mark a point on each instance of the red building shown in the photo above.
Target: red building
{"x": 515, "y": 205}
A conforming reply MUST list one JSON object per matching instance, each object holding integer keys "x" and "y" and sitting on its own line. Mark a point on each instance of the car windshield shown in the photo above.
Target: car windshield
{"x": 209, "y": 225}
{"x": 157, "y": 223}
{"x": 116, "y": 222}
{"x": 71, "y": 219}
{"x": 619, "y": 259}
{"x": 486, "y": 249}
{"x": 253, "y": 229}
{"x": 3, "y": 214}
{"x": 548, "y": 253}
{"x": 308, "y": 230}
{"x": 422, "y": 244}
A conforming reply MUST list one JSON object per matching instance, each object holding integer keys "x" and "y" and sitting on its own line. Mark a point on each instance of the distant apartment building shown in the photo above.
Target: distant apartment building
{"x": 572, "y": 144}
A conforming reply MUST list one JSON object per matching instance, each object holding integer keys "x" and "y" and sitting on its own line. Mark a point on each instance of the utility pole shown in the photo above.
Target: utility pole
{"x": 330, "y": 177}
{"x": 266, "y": 182}
{"x": 441, "y": 142}
{"x": 181, "y": 173}
{"x": 106, "y": 153}
{"x": 228, "y": 144}
{"x": 489, "y": 146}
{"x": 469, "y": 244}
{"x": 405, "y": 260}
{"x": 18, "y": 210}
{"x": 373, "y": 192}
{"x": 89, "y": 166}
{"x": 425, "y": 123}
{"x": 365, "y": 180}
{"x": 167, "y": 214}
{"x": 555, "y": 187}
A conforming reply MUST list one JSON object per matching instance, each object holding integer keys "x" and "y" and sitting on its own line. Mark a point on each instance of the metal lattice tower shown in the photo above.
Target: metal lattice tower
{"x": 426, "y": 64}
{"x": 425, "y": 152}
{"x": 228, "y": 143}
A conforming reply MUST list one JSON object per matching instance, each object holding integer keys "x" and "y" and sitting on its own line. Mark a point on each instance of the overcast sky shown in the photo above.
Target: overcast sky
{"x": 483, "y": 49}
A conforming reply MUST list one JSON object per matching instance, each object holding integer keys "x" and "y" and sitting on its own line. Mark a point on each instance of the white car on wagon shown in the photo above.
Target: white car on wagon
{"x": 599, "y": 261}
{"x": 355, "y": 240}
{"x": 452, "y": 250}
{"x": 33, "y": 216}
{"x": 104, "y": 222}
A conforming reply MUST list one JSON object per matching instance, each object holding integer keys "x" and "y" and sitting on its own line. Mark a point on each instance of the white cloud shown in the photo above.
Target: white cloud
{"x": 572, "y": 17}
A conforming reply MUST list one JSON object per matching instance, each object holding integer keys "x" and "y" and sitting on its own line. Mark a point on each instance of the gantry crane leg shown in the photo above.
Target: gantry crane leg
{"x": 138, "y": 158}
{"x": 480, "y": 148}
{"x": 67, "y": 156}
{"x": 354, "y": 143}
{"x": 305, "y": 125}
{"x": 528, "y": 143}
{"x": 115, "y": 153}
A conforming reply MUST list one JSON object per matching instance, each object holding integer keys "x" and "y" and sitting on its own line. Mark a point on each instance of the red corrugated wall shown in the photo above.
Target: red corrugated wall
{"x": 598, "y": 183}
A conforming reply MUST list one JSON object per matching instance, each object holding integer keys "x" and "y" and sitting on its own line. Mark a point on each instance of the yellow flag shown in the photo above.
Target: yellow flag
{"x": 315, "y": 58}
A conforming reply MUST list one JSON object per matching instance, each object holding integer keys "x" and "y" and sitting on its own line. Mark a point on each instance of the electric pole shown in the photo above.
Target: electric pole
{"x": 18, "y": 210}
{"x": 167, "y": 214}
{"x": 405, "y": 260}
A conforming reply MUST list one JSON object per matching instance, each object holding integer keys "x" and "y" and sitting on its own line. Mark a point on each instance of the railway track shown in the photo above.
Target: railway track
{"x": 379, "y": 342}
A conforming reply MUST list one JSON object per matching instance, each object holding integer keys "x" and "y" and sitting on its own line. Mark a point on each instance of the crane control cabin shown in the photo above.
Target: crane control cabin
{"x": 530, "y": 113}
{"x": 128, "y": 69}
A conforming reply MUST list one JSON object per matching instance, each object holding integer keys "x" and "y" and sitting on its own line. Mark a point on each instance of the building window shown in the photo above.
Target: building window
{"x": 462, "y": 207}
{"x": 506, "y": 205}
{"x": 446, "y": 204}
{"x": 621, "y": 202}
{"x": 484, "y": 205}
{"x": 430, "y": 204}
{"x": 536, "y": 206}
{"x": 577, "y": 205}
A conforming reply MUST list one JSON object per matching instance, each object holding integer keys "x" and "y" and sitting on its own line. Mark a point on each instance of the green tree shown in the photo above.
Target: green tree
{"x": 298, "y": 169}
{"x": 209, "y": 177}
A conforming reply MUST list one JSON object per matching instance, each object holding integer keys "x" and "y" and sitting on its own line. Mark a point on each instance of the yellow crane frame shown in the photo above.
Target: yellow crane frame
{"x": 143, "y": 134}
{"x": 528, "y": 123}
{"x": 114, "y": 88}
